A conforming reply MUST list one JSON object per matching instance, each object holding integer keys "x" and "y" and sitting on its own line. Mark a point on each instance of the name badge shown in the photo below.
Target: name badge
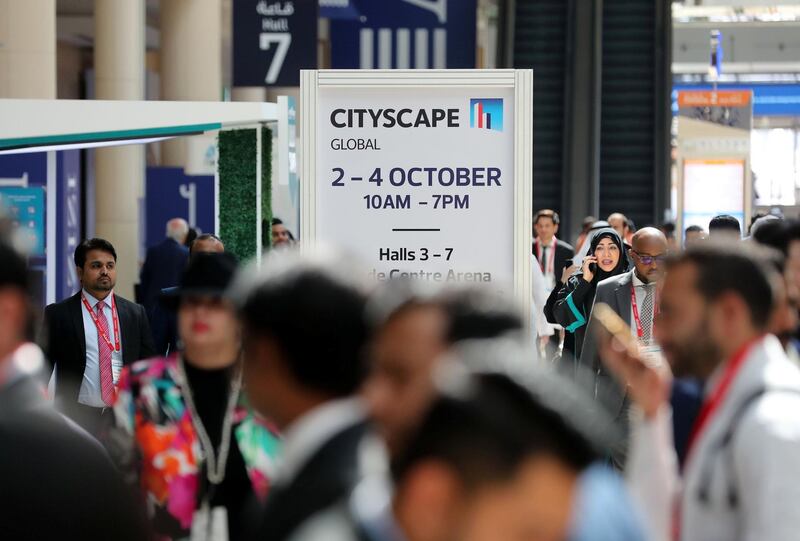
{"x": 210, "y": 524}
{"x": 116, "y": 366}
{"x": 653, "y": 356}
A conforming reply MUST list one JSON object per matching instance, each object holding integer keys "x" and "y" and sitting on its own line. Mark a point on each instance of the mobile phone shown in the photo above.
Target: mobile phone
{"x": 593, "y": 267}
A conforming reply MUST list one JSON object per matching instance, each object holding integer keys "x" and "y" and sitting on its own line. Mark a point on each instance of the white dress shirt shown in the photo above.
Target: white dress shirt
{"x": 307, "y": 435}
{"x": 90, "y": 393}
{"x": 550, "y": 273}
{"x": 764, "y": 467}
{"x": 539, "y": 293}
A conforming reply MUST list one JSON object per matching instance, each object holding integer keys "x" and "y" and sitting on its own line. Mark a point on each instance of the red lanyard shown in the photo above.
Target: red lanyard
{"x": 116, "y": 345}
{"x": 548, "y": 269}
{"x": 639, "y": 330}
{"x": 712, "y": 404}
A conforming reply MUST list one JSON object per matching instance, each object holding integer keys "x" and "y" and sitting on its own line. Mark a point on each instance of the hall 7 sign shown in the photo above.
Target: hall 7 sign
{"x": 273, "y": 40}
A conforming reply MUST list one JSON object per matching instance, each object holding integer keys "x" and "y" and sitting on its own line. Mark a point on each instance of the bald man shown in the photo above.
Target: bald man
{"x": 634, "y": 296}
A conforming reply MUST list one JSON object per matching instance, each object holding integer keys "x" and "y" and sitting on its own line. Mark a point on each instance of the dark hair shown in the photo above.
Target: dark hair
{"x": 724, "y": 222}
{"x": 92, "y": 244}
{"x": 668, "y": 228}
{"x": 747, "y": 270}
{"x": 486, "y": 432}
{"x": 546, "y": 213}
{"x": 204, "y": 236}
{"x": 694, "y": 229}
{"x": 778, "y": 234}
{"x": 277, "y": 221}
{"x": 478, "y": 314}
{"x": 318, "y": 322}
{"x": 191, "y": 235}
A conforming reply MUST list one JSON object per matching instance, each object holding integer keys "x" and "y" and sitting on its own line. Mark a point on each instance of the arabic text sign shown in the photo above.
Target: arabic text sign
{"x": 273, "y": 40}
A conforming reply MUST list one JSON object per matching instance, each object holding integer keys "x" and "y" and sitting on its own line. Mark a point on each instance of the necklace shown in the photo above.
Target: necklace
{"x": 215, "y": 462}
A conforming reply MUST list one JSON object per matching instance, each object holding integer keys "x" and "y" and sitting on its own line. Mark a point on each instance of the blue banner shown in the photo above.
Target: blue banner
{"x": 69, "y": 213}
{"x": 273, "y": 40}
{"x": 172, "y": 194}
{"x": 406, "y": 34}
{"x": 769, "y": 99}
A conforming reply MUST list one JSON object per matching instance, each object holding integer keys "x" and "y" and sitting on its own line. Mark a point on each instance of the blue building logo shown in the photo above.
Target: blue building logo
{"x": 486, "y": 113}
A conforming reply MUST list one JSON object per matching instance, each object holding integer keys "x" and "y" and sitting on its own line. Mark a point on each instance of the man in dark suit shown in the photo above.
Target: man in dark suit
{"x": 72, "y": 493}
{"x": 92, "y": 335}
{"x": 551, "y": 253}
{"x": 304, "y": 331}
{"x": 164, "y": 264}
{"x": 634, "y": 297}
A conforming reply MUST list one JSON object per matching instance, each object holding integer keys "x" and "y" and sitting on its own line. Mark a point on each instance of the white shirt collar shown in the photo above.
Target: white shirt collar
{"x": 308, "y": 434}
{"x": 93, "y": 301}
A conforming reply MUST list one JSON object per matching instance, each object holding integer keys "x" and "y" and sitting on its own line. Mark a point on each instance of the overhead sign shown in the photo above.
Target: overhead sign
{"x": 714, "y": 171}
{"x": 417, "y": 173}
{"x": 403, "y": 34}
{"x": 273, "y": 40}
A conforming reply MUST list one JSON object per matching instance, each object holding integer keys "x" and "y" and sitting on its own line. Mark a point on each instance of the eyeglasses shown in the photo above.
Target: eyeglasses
{"x": 650, "y": 259}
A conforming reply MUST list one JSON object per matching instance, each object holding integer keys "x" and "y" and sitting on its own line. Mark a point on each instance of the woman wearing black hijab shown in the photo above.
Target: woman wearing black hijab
{"x": 606, "y": 258}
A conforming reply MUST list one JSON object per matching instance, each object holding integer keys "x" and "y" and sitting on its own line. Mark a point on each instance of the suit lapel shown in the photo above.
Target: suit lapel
{"x": 623, "y": 296}
{"x": 126, "y": 327}
{"x": 76, "y": 315}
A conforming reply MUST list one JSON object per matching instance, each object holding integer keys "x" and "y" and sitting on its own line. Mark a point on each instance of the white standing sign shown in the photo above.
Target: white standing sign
{"x": 426, "y": 174}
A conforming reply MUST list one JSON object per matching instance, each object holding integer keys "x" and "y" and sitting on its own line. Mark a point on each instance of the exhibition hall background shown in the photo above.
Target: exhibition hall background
{"x": 605, "y": 73}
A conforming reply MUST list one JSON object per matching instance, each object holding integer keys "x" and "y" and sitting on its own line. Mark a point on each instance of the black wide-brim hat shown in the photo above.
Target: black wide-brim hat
{"x": 207, "y": 275}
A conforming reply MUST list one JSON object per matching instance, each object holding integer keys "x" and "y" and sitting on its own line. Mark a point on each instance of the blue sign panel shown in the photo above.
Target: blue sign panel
{"x": 172, "y": 194}
{"x": 768, "y": 99}
{"x": 68, "y": 218}
{"x": 25, "y": 208}
{"x": 273, "y": 40}
{"x": 406, "y": 34}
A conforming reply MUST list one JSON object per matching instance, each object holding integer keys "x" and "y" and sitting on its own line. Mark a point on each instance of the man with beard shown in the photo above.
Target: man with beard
{"x": 739, "y": 479}
{"x": 91, "y": 336}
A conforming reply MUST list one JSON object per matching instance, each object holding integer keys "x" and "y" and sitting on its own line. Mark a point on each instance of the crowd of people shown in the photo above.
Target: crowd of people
{"x": 655, "y": 397}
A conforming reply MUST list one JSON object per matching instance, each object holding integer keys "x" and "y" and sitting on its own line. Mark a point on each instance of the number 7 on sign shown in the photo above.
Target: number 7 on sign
{"x": 284, "y": 40}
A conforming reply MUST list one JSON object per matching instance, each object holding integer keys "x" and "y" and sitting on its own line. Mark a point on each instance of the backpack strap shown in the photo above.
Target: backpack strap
{"x": 723, "y": 445}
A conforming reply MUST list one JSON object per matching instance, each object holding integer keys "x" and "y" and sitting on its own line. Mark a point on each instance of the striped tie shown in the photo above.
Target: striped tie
{"x": 104, "y": 350}
{"x": 647, "y": 316}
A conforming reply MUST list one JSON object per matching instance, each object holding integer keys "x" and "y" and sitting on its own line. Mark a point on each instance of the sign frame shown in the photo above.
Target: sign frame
{"x": 520, "y": 80}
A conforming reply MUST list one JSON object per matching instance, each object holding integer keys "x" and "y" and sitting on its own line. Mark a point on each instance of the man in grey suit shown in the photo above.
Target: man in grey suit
{"x": 634, "y": 296}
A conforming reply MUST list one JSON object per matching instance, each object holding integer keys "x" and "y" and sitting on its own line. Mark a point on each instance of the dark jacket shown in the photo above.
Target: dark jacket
{"x": 65, "y": 344}
{"x": 58, "y": 482}
{"x": 328, "y": 477}
{"x": 564, "y": 252}
{"x": 162, "y": 268}
{"x": 573, "y": 305}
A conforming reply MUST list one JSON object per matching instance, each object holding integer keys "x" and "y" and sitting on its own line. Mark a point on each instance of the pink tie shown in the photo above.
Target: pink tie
{"x": 106, "y": 375}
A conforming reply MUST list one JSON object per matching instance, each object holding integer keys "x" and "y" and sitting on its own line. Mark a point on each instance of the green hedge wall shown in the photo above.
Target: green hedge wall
{"x": 238, "y": 220}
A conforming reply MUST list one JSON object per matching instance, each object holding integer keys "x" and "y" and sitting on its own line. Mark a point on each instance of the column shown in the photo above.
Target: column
{"x": 191, "y": 60}
{"x": 28, "y": 49}
{"x": 583, "y": 85}
{"x": 119, "y": 49}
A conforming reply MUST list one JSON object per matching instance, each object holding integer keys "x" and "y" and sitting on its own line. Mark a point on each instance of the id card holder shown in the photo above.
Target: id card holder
{"x": 210, "y": 524}
{"x": 116, "y": 366}
{"x": 653, "y": 356}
